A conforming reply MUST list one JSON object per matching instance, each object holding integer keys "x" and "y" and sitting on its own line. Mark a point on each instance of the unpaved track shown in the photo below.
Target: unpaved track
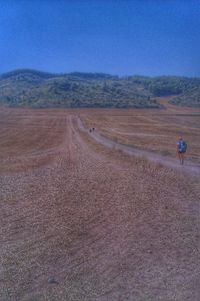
{"x": 190, "y": 167}
{"x": 88, "y": 225}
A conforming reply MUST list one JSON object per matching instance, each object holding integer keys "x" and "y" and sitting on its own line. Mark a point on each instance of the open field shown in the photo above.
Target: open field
{"x": 80, "y": 221}
{"x": 152, "y": 130}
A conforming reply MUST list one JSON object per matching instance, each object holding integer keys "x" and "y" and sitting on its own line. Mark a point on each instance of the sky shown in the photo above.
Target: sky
{"x": 121, "y": 37}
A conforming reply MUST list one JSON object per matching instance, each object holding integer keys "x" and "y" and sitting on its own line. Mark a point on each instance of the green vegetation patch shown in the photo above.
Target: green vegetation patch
{"x": 95, "y": 90}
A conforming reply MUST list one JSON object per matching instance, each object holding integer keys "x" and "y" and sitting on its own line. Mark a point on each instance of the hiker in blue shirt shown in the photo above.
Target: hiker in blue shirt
{"x": 181, "y": 149}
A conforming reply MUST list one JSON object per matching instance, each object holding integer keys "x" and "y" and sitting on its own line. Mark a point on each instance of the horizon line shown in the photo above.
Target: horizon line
{"x": 96, "y": 72}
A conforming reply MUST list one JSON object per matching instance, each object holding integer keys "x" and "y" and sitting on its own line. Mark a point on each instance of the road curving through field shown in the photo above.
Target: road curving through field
{"x": 189, "y": 166}
{"x": 89, "y": 225}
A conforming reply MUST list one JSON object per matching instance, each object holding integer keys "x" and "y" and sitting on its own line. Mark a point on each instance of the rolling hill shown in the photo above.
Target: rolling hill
{"x": 36, "y": 89}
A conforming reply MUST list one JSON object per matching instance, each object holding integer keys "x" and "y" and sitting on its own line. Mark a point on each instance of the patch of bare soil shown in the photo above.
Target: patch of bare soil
{"x": 90, "y": 223}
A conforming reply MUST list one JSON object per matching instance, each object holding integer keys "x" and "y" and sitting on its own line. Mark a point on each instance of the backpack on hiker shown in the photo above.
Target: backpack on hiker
{"x": 182, "y": 146}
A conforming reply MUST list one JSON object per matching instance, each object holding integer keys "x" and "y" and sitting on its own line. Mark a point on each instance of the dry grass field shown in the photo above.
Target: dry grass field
{"x": 82, "y": 222}
{"x": 153, "y": 130}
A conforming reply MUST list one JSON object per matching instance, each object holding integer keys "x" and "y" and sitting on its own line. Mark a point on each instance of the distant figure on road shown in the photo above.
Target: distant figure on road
{"x": 181, "y": 149}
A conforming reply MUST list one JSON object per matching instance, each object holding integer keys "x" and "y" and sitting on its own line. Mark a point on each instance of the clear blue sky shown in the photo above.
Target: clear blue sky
{"x": 124, "y": 37}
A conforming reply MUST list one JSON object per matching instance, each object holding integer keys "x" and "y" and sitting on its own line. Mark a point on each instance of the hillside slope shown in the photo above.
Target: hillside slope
{"x": 38, "y": 89}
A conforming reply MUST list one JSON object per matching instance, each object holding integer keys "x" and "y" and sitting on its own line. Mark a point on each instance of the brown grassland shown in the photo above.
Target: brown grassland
{"x": 153, "y": 130}
{"x": 80, "y": 221}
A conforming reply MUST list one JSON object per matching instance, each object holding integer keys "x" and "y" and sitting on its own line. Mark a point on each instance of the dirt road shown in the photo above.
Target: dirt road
{"x": 82, "y": 222}
{"x": 190, "y": 167}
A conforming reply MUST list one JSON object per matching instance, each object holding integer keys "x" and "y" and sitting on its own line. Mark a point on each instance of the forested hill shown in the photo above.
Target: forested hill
{"x": 41, "y": 89}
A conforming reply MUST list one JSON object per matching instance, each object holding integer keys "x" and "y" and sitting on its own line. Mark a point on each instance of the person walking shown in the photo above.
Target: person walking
{"x": 181, "y": 149}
